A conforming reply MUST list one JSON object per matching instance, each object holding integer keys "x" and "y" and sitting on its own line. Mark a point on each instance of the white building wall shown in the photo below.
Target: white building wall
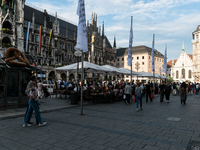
{"x": 183, "y": 62}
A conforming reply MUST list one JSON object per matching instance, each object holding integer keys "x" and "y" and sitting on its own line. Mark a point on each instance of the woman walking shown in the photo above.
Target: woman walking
{"x": 183, "y": 93}
{"x": 33, "y": 105}
{"x": 167, "y": 92}
{"x": 138, "y": 91}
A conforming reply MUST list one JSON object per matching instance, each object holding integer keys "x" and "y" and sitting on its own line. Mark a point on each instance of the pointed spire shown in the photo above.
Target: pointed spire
{"x": 103, "y": 30}
{"x": 173, "y": 61}
{"x": 92, "y": 18}
{"x": 56, "y": 15}
{"x": 114, "y": 44}
{"x": 96, "y": 20}
{"x": 100, "y": 30}
{"x": 183, "y": 47}
{"x": 87, "y": 23}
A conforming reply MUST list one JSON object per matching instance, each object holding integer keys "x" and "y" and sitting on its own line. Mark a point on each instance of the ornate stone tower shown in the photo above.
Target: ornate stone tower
{"x": 196, "y": 54}
{"x": 11, "y": 24}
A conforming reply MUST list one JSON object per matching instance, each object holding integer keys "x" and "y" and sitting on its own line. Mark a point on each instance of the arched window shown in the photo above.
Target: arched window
{"x": 177, "y": 74}
{"x": 183, "y": 73}
{"x": 189, "y": 74}
{"x": 7, "y": 25}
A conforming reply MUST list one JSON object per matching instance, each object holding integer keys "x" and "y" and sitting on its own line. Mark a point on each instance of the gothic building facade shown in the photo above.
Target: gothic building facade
{"x": 15, "y": 15}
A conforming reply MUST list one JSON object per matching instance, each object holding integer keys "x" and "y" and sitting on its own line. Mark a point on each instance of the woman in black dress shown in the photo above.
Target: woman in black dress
{"x": 167, "y": 91}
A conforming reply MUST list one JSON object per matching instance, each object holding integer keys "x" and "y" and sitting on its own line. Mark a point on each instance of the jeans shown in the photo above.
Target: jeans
{"x": 33, "y": 106}
{"x": 148, "y": 94}
{"x": 139, "y": 98}
{"x": 197, "y": 91}
{"x": 161, "y": 95}
{"x": 128, "y": 98}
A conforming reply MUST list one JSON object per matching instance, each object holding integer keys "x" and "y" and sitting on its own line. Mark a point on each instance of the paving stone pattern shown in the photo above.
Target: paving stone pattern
{"x": 115, "y": 126}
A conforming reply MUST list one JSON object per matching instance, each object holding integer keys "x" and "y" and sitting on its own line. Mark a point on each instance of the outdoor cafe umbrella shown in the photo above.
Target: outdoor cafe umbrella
{"x": 87, "y": 66}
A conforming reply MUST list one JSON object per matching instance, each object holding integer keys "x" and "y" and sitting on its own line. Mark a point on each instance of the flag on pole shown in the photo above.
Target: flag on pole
{"x": 130, "y": 44}
{"x": 27, "y": 35}
{"x": 165, "y": 61}
{"x": 50, "y": 40}
{"x": 40, "y": 39}
{"x": 81, "y": 29}
{"x": 152, "y": 55}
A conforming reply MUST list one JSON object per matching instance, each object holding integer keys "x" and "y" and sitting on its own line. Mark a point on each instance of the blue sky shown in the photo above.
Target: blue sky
{"x": 172, "y": 21}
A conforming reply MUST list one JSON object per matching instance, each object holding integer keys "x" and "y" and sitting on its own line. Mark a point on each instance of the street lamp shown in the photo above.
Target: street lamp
{"x": 137, "y": 66}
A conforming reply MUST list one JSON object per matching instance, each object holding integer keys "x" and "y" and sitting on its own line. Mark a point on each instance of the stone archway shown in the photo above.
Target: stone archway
{"x": 7, "y": 25}
{"x": 71, "y": 76}
{"x": 51, "y": 75}
{"x": 6, "y": 41}
{"x": 63, "y": 76}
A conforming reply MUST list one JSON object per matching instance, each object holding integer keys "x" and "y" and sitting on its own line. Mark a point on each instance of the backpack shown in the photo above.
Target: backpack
{"x": 138, "y": 90}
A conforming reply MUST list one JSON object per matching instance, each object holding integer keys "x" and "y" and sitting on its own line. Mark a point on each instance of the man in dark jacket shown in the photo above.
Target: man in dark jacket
{"x": 162, "y": 87}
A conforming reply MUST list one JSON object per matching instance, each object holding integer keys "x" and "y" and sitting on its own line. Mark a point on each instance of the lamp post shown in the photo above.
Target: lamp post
{"x": 79, "y": 53}
{"x": 137, "y": 66}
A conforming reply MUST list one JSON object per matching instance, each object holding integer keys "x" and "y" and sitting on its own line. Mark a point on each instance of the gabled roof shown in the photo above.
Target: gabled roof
{"x": 191, "y": 56}
{"x": 107, "y": 43}
{"x": 198, "y": 28}
{"x": 120, "y": 51}
{"x": 144, "y": 49}
{"x": 169, "y": 63}
{"x": 39, "y": 20}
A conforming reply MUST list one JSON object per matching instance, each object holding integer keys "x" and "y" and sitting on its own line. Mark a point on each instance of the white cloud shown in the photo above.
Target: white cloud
{"x": 165, "y": 18}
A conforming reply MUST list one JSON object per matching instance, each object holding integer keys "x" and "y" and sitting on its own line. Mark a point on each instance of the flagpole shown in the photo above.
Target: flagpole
{"x": 81, "y": 44}
{"x": 131, "y": 63}
{"x": 166, "y": 62}
{"x": 153, "y": 63}
{"x": 82, "y": 85}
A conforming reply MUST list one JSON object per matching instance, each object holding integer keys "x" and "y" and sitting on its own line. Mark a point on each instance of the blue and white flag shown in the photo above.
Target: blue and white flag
{"x": 27, "y": 35}
{"x": 165, "y": 61}
{"x": 130, "y": 44}
{"x": 152, "y": 55}
{"x": 81, "y": 43}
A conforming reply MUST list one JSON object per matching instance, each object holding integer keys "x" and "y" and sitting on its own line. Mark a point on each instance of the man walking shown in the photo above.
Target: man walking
{"x": 128, "y": 93}
{"x": 162, "y": 87}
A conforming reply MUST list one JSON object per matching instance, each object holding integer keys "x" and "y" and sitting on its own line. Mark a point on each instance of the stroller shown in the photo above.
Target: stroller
{"x": 45, "y": 92}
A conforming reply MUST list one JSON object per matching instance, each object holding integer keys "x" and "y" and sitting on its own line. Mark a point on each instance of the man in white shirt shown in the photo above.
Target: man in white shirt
{"x": 128, "y": 91}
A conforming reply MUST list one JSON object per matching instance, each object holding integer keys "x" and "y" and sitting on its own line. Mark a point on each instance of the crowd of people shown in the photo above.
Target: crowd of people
{"x": 126, "y": 91}
{"x": 139, "y": 90}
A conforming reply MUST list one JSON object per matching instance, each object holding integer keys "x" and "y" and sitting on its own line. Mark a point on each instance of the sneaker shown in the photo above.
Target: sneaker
{"x": 137, "y": 109}
{"x": 141, "y": 108}
{"x": 126, "y": 102}
{"x": 26, "y": 125}
{"x": 42, "y": 124}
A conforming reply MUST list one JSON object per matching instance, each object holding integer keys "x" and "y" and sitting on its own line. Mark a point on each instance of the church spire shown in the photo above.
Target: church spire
{"x": 103, "y": 30}
{"x": 183, "y": 47}
{"x": 114, "y": 44}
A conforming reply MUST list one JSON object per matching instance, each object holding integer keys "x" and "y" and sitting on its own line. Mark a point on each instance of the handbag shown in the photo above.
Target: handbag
{"x": 135, "y": 97}
{"x": 152, "y": 96}
{"x": 124, "y": 97}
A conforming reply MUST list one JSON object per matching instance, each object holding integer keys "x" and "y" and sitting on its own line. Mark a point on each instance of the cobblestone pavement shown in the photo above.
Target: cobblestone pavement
{"x": 115, "y": 126}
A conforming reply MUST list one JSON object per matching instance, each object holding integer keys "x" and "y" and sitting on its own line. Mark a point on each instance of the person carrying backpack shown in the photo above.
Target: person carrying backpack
{"x": 138, "y": 90}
